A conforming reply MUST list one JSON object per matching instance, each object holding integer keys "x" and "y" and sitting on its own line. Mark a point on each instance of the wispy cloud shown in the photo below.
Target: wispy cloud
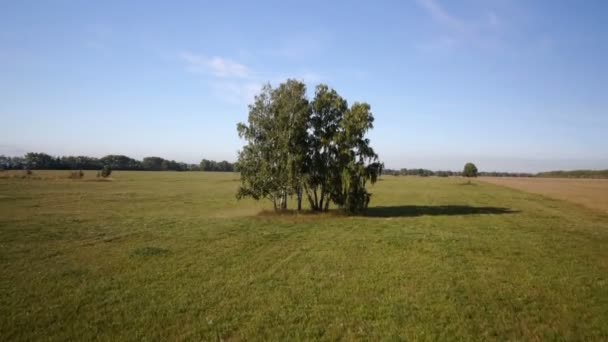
{"x": 441, "y": 15}
{"x": 483, "y": 30}
{"x": 235, "y": 82}
{"x": 217, "y": 66}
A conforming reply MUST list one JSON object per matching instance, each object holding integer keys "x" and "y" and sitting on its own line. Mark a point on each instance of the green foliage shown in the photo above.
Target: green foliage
{"x": 120, "y": 162}
{"x": 152, "y": 163}
{"x": 324, "y": 170}
{"x": 12, "y": 163}
{"x": 297, "y": 147}
{"x": 39, "y": 161}
{"x": 43, "y": 161}
{"x": 272, "y": 164}
{"x": 106, "y": 171}
{"x": 575, "y": 174}
{"x": 470, "y": 170}
{"x": 212, "y": 165}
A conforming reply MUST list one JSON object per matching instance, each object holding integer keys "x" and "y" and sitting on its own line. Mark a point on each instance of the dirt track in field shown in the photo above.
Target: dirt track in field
{"x": 592, "y": 193}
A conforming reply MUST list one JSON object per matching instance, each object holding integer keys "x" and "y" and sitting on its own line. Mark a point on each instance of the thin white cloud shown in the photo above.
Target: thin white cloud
{"x": 441, "y": 15}
{"x": 217, "y": 66}
{"x": 483, "y": 30}
{"x": 235, "y": 82}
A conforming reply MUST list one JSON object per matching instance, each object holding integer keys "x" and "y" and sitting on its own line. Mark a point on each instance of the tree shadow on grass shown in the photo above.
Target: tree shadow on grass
{"x": 438, "y": 210}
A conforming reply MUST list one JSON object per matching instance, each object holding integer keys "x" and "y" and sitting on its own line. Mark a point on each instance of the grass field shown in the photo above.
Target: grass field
{"x": 174, "y": 256}
{"x": 592, "y": 193}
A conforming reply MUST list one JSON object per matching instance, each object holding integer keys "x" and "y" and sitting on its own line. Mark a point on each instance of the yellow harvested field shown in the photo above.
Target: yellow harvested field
{"x": 592, "y": 193}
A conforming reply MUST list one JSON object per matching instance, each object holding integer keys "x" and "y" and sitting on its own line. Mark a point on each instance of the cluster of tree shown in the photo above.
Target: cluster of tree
{"x": 160, "y": 164}
{"x": 575, "y": 174}
{"x": 427, "y": 173}
{"x": 419, "y": 172}
{"x": 470, "y": 170}
{"x": 318, "y": 149}
{"x": 43, "y": 161}
{"x": 505, "y": 174}
{"x": 212, "y": 165}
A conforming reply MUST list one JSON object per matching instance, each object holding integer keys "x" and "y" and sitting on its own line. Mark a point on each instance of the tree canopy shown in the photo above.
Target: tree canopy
{"x": 318, "y": 149}
{"x": 470, "y": 170}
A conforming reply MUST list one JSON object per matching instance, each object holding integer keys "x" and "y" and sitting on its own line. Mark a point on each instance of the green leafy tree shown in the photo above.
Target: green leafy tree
{"x": 358, "y": 161}
{"x": 260, "y": 177}
{"x": 120, "y": 162}
{"x": 470, "y": 170}
{"x": 323, "y": 166}
{"x": 317, "y": 148}
{"x": 153, "y": 164}
{"x": 292, "y": 114}
{"x": 272, "y": 163}
{"x": 106, "y": 171}
{"x": 39, "y": 161}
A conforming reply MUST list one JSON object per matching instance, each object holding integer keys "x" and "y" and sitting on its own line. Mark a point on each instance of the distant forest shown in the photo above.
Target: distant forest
{"x": 575, "y": 174}
{"x": 43, "y": 161}
{"x": 550, "y": 174}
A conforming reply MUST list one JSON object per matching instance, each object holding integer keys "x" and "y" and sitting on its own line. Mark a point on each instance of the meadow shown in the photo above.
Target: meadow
{"x": 174, "y": 256}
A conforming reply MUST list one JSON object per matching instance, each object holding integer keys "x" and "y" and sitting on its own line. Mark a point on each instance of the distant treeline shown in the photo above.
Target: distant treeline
{"x": 575, "y": 174}
{"x": 420, "y": 172}
{"x": 428, "y": 173}
{"x": 43, "y": 161}
{"x": 211, "y": 165}
{"x": 554, "y": 174}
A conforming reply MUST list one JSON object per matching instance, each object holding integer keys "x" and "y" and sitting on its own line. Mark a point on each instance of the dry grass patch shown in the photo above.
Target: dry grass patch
{"x": 592, "y": 193}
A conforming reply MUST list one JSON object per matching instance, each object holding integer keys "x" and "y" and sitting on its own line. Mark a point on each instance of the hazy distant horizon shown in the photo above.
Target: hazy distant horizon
{"x": 487, "y": 164}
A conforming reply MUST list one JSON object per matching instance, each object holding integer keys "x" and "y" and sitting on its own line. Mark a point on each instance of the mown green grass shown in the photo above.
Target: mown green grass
{"x": 174, "y": 256}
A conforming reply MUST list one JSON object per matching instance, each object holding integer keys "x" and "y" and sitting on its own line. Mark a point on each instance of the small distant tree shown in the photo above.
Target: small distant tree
{"x": 470, "y": 170}
{"x": 106, "y": 171}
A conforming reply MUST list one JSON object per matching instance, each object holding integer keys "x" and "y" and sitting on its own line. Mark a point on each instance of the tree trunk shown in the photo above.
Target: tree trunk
{"x": 321, "y": 201}
{"x": 284, "y": 200}
{"x": 310, "y": 200}
{"x": 299, "y": 199}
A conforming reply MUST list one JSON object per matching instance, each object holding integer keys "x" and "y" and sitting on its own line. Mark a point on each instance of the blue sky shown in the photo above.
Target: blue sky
{"x": 510, "y": 85}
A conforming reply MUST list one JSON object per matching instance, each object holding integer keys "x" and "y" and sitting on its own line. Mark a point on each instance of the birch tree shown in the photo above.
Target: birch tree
{"x": 296, "y": 147}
